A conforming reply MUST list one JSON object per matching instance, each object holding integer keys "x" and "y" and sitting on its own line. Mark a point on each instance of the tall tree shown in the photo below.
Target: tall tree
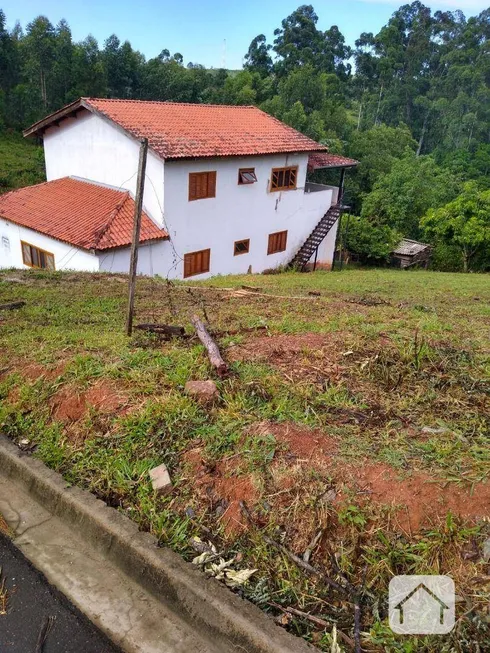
{"x": 39, "y": 48}
{"x": 258, "y": 58}
{"x": 464, "y": 223}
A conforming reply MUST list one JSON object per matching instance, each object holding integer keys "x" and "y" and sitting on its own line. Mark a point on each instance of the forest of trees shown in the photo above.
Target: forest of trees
{"x": 411, "y": 103}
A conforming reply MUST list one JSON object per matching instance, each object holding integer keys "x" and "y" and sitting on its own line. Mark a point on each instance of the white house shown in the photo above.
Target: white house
{"x": 225, "y": 192}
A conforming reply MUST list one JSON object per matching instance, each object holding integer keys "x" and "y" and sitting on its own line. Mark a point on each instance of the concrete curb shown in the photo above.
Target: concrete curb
{"x": 201, "y": 602}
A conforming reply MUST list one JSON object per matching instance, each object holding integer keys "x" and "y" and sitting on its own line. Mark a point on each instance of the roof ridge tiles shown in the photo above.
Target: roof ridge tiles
{"x": 100, "y": 233}
{"x": 172, "y": 102}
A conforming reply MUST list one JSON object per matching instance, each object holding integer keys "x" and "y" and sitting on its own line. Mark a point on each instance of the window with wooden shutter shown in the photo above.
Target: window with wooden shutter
{"x": 202, "y": 185}
{"x": 284, "y": 178}
{"x": 35, "y": 257}
{"x": 197, "y": 262}
{"x": 277, "y": 242}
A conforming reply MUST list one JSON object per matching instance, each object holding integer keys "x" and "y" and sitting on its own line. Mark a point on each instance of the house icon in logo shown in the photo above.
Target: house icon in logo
{"x": 421, "y": 604}
{"x": 423, "y": 588}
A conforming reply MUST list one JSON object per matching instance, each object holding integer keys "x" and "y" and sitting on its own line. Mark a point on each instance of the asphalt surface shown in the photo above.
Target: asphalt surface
{"x": 30, "y": 602}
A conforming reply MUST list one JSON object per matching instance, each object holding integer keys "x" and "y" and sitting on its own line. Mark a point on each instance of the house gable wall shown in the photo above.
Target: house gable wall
{"x": 66, "y": 257}
{"x": 240, "y": 212}
{"x": 93, "y": 148}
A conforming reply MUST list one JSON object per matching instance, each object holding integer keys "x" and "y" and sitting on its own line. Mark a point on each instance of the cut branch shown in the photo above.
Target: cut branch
{"x": 306, "y": 566}
{"x": 212, "y": 348}
{"x": 321, "y": 623}
{"x": 164, "y": 329}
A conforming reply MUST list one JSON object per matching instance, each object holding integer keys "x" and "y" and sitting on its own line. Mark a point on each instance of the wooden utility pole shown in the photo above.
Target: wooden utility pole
{"x": 138, "y": 205}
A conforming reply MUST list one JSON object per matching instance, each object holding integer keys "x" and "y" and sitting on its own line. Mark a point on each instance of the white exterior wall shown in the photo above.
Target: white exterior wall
{"x": 66, "y": 257}
{"x": 240, "y": 212}
{"x": 153, "y": 258}
{"x": 326, "y": 249}
{"x": 93, "y": 148}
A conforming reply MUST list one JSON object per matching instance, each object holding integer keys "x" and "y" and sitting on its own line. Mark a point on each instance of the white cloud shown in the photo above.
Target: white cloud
{"x": 466, "y": 6}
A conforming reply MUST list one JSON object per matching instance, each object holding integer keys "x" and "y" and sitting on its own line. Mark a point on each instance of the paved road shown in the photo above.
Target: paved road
{"x": 30, "y": 601}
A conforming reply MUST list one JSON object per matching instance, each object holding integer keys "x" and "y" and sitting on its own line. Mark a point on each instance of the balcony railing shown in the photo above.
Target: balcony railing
{"x": 311, "y": 187}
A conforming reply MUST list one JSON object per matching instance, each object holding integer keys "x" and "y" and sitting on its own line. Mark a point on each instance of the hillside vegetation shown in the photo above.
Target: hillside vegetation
{"x": 353, "y": 431}
{"x": 21, "y": 162}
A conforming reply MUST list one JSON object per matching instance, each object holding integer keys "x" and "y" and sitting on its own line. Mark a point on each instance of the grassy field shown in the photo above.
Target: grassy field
{"x": 352, "y": 431}
{"x": 21, "y": 162}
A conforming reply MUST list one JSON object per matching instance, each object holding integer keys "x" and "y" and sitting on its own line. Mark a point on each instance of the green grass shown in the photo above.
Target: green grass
{"x": 398, "y": 352}
{"x": 21, "y": 162}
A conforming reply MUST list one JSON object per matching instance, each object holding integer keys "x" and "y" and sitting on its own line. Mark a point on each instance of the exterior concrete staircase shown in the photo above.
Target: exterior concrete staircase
{"x": 306, "y": 250}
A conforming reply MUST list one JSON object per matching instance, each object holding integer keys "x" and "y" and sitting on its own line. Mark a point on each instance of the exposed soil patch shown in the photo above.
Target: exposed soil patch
{"x": 422, "y": 500}
{"x": 70, "y": 405}
{"x": 417, "y": 501}
{"x": 307, "y": 355}
{"x": 222, "y": 489}
{"x": 105, "y": 397}
{"x": 34, "y": 371}
{"x": 300, "y": 441}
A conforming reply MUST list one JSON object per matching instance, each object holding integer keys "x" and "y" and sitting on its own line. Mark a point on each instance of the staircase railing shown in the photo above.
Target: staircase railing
{"x": 317, "y": 236}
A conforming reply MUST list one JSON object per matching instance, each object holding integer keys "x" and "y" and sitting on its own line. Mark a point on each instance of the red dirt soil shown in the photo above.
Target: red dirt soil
{"x": 33, "y": 371}
{"x": 308, "y": 354}
{"x": 422, "y": 499}
{"x": 220, "y": 484}
{"x": 419, "y": 500}
{"x": 69, "y": 405}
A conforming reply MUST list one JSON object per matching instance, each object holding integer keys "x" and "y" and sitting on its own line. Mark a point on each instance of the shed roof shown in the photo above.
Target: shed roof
{"x": 408, "y": 247}
{"x": 178, "y": 130}
{"x": 79, "y": 212}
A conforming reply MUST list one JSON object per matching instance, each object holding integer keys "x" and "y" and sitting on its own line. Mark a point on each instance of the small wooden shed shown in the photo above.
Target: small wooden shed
{"x": 409, "y": 253}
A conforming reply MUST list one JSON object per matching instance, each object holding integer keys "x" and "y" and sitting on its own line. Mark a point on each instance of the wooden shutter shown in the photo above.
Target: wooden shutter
{"x": 202, "y": 185}
{"x": 192, "y": 186}
{"x": 26, "y": 254}
{"x": 283, "y": 240}
{"x": 211, "y": 184}
{"x": 277, "y": 242}
{"x": 197, "y": 262}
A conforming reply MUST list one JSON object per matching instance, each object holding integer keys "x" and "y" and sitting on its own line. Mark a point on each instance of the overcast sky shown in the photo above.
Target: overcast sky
{"x": 211, "y": 32}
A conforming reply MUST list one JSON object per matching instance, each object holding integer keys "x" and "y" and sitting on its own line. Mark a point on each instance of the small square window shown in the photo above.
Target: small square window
{"x": 284, "y": 178}
{"x": 277, "y": 242}
{"x": 246, "y": 176}
{"x": 241, "y": 247}
{"x": 202, "y": 185}
{"x": 196, "y": 262}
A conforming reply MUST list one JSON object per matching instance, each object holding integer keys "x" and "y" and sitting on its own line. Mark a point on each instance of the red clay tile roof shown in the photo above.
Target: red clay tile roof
{"x": 78, "y": 212}
{"x": 178, "y": 130}
{"x": 327, "y": 160}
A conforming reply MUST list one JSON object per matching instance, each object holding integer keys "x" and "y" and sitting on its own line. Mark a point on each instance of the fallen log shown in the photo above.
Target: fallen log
{"x": 212, "y": 348}
{"x": 11, "y": 306}
{"x": 163, "y": 329}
